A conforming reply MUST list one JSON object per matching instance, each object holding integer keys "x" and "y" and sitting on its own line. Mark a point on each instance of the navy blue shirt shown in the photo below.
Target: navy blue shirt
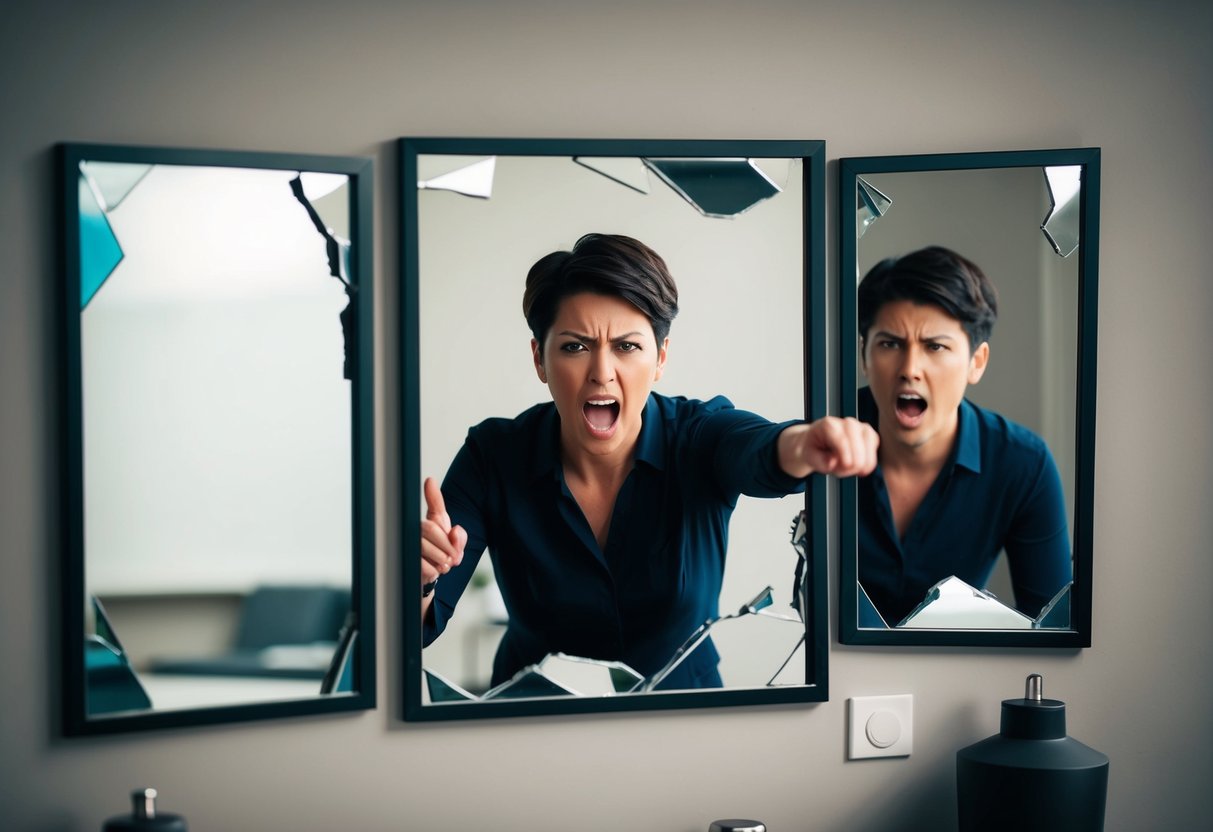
{"x": 998, "y": 490}
{"x": 660, "y": 574}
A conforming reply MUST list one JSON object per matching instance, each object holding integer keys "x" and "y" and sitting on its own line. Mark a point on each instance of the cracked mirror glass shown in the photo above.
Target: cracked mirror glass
{"x": 930, "y": 567}
{"x": 473, "y": 257}
{"x": 216, "y": 423}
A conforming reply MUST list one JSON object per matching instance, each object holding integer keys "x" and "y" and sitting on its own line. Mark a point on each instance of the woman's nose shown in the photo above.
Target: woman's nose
{"x": 602, "y": 367}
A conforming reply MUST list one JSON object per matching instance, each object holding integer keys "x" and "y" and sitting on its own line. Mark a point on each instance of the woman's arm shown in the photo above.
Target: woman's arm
{"x": 842, "y": 447}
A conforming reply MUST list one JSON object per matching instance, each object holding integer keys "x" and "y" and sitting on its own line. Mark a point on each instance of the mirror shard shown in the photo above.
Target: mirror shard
{"x": 100, "y": 252}
{"x": 474, "y": 180}
{"x": 872, "y": 205}
{"x": 1061, "y": 226}
{"x": 629, "y": 172}
{"x": 721, "y": 188}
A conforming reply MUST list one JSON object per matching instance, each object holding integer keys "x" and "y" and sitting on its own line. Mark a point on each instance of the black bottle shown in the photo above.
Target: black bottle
{"x": 1031, "y": 775}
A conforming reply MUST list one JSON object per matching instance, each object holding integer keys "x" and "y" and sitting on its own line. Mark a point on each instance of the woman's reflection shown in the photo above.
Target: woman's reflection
{"x": 606, "y": 510}
{"x": 956, "y": 484}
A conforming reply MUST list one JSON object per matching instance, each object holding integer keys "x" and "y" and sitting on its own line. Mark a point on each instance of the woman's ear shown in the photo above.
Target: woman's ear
{"x": 662, "y": 353}
{"x": 537, "y": 357}
{"x": 978, "y": 362}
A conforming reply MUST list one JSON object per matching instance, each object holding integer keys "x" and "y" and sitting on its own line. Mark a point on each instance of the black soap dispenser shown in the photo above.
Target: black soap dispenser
{"x": 144, "y": 816}
{"x": 1031, "y": 775}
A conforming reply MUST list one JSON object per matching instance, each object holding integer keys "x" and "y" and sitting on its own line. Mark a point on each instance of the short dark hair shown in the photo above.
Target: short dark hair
{"x": 934, "y": 275}
{"x": 605, "y": 264}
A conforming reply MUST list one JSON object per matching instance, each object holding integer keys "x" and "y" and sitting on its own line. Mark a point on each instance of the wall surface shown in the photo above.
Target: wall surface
{"x": 870, "y": 78}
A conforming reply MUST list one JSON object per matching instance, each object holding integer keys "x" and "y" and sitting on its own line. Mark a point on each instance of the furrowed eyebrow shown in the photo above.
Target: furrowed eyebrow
{"x": 925, "y": 339}
{"x": 586, "y": 339}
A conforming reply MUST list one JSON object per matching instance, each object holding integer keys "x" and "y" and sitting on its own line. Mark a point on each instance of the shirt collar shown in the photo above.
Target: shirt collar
{"x": 650, "y": 444}
{"x": 967, "y": 452}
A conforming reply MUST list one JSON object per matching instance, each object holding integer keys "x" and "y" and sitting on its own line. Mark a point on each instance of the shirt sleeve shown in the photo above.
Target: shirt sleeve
{"x": 744, "y": 452}
{"x": 1038, "y": 542}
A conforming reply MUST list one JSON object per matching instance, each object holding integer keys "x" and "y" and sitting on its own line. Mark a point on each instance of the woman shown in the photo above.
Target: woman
{"x": 606, "y": 510}
{"x": 956, "y": 484}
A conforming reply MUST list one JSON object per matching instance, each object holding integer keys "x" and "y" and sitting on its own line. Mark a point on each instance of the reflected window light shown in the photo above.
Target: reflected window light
{"x": 1061, "y": 226}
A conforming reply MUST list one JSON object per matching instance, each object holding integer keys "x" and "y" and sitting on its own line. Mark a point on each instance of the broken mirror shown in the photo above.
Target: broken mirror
{"x": 998, "y": 550}
{"x": 217, "y": 371}
{"x": 739, "y": 225}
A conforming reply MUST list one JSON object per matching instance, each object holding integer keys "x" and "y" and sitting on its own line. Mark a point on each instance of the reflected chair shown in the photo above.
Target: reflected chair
{"x": 284, "y": 632}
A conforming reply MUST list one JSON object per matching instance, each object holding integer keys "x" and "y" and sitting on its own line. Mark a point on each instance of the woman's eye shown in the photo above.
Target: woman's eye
{"x": 936, "y": 347}
{"x": 628, "y": 346}
{"x": 572, "y": 346}
{"x": 887, "y": 345}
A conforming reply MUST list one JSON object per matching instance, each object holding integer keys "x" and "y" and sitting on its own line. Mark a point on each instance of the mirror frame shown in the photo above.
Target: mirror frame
{"x": 812, "y": 155}
{"x": 1079, "y": 633}
{"x": 74, "y": 715}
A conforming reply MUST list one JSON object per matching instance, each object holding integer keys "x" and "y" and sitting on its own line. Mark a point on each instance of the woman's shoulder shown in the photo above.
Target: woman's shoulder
{"x": 526, "y": 423}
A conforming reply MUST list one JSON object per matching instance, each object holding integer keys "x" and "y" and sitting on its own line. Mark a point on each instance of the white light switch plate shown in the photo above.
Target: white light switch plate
{"x": 881, "y": 726}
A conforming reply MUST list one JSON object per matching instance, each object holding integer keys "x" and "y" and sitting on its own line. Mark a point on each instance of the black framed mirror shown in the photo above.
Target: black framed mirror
{"x": 968, "y": 302}
{"x": 740, "y": 225}
{"x": 216, "y": 355}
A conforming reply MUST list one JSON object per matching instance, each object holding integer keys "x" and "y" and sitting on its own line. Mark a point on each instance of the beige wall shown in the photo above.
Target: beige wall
{"x": 870, "y": 79}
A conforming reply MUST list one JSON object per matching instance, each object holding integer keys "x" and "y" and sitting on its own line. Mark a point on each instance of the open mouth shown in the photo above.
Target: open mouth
{"x": 601, "y": 415}
{"x": 910, "y": 408}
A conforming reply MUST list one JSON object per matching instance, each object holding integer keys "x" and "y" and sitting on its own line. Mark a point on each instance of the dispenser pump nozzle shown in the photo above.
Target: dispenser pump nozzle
{"x": 144, "y": 801}
{"x": 1035, "y": 688}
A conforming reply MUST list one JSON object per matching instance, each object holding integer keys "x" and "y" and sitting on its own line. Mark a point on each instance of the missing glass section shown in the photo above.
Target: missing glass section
{"x": 100, "y": 252}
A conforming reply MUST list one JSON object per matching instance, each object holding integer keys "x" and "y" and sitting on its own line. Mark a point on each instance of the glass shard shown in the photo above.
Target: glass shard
{"x": 871, "y": 205}
{"x": 869, "y": 617}
{"x": 953, "y": 604}
{"x": 1061, "y": 226}
{"x": 1056, "y": 613}
{"x": 112, "y": 181}
{"x": 716, "y": 187}
{"x": 791, "y": 672}
{"x": 329, "y": 194}
{"x": 475, "y": 179}
{"x": 627, "y": 171}
{"x": 755, "y": 607}
{"x": 100, "y": 252}
{"x": 441, "y": 689}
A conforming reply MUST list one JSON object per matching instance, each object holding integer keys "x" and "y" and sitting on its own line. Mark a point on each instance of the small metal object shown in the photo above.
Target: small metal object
{"x": 737, "y": 825}
{"x": 145, "y": 817}
{"x": 1035, "y": 688}
{"x": 143, "y": 803}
